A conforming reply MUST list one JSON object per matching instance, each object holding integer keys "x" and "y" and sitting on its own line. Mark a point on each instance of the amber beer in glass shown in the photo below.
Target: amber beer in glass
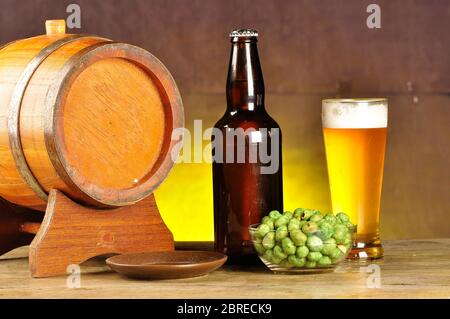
{"x": 355, "y": 137}
{"x": 243, "y": 192}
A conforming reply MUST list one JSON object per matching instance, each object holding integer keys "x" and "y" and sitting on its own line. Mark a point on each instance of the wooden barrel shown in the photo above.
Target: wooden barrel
{"x": 85, "y": 115}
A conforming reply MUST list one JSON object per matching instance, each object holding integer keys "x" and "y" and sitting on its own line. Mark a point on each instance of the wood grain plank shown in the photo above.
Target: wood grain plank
{"x": 410, "y": 269}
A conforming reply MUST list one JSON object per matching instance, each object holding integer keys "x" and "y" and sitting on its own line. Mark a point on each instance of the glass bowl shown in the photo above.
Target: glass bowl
{"x": 301, "y": 264}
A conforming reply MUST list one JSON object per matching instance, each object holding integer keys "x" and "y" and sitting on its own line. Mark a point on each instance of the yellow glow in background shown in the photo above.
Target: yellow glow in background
{"x": 185, "y": 199}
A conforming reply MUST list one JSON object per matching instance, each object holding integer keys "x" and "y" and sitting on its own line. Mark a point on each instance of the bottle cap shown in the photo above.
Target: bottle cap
{"x": 243, "y": 33}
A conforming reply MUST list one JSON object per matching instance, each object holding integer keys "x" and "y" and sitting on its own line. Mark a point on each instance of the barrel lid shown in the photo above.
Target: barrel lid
{"x": 115, "y": 106}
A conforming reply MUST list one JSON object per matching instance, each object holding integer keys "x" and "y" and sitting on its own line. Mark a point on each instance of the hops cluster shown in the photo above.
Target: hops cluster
{"x": 305, "y": 238}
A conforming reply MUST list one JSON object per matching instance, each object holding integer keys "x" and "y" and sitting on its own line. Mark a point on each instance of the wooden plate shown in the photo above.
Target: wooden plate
{"x": 166, "y": 265}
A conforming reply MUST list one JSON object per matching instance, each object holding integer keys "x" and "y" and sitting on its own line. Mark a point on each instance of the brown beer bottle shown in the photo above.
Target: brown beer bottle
{"x": 247, "y": 174}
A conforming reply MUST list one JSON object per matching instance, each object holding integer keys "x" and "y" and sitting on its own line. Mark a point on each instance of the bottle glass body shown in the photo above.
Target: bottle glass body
{"x": 247, "y": 176}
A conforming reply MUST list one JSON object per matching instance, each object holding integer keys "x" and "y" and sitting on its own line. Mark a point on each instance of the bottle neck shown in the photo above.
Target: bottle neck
{"x": 245, "y": 84}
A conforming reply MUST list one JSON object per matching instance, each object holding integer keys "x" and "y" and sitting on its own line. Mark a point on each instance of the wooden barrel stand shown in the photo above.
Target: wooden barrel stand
{"x": 71, "y": 233}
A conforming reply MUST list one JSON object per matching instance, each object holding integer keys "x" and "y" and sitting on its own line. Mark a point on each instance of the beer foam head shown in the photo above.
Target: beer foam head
{"x": 354, "y": 113}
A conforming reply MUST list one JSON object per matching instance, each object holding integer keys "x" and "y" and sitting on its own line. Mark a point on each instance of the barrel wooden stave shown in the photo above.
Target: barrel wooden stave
{"x": 33, "y": 110}
{"x": 13, "y": 60}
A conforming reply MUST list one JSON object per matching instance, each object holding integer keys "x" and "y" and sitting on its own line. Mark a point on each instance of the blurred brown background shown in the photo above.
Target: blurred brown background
{"x": 309, "y": 50}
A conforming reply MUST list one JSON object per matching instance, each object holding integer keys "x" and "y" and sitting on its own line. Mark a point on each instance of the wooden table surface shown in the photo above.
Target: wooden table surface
{"x": 410, "y": 269}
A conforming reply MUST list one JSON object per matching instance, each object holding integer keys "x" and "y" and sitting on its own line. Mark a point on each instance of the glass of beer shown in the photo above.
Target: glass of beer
{"x": 355, "y": 138}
